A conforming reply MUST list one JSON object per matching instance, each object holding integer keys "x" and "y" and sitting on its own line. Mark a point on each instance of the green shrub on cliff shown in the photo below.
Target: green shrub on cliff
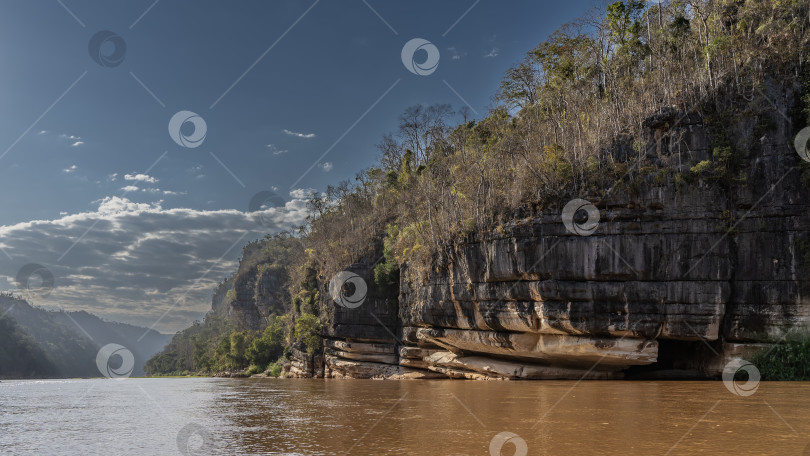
{"x": 261, "y": 351}
{"x": 274, "y": 368}
{"x": 270, "y": 345}
{"x": 306, "y": 294}
{"x": 725, "y": 167}
{"x": 230, "y": 353}
{"x": 254, "y": 369}
{"x": 787, "y": 361}
{"x": 386, "y": 276}
{"x": 308, "y": 332}
{"x": 386, "y": 273}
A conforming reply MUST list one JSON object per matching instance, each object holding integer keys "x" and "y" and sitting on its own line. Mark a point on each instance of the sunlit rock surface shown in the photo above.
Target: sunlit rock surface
{"x": 675, "y": 277}
{"x": 479, "y": 366}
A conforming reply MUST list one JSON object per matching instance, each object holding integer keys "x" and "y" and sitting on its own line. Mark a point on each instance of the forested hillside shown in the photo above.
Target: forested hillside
{"x": 20, "y": 355}
{"x": 569, "y": 123}
{"x": 39, "y": 343}
{"x": 231, "y": 337}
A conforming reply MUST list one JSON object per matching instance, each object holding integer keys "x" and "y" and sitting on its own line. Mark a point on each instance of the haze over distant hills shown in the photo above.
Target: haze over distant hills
{"x": 39, "y": 343}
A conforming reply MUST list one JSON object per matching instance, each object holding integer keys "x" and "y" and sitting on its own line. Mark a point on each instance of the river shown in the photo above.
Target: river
{"x": 365, "y": 417}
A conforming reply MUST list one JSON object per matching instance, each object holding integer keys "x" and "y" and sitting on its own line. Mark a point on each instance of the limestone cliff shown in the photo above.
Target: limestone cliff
{"x": 681, "y": 273}
{"x": 255, "y": 291}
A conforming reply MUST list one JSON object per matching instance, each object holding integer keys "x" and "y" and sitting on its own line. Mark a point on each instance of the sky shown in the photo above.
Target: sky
{"x": 134, "y": 134}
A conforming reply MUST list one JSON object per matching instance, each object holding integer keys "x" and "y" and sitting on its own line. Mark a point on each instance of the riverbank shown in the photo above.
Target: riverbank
{"x": 789, "y": 360}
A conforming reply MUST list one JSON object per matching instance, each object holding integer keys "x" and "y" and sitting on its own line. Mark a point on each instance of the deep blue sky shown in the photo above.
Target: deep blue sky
{"x": 69, "y": 170}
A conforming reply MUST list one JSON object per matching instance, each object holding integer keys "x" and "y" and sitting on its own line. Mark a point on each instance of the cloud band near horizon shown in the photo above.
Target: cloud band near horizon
{"x": 136, "y": 260}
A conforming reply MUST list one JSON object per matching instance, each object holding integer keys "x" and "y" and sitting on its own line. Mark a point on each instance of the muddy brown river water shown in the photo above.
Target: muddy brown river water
{"x": 365, "y": 417}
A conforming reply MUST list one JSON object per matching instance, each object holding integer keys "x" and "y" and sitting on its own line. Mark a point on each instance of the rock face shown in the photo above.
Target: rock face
{"x": 258, "y": 292}
{"x": 676, "y": 277}
{"x": 253, "y": 293}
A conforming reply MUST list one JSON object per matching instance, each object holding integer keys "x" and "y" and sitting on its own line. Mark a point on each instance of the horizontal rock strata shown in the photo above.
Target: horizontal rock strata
{"x": 675, "y": 277}
{"x": 447, "y": 362}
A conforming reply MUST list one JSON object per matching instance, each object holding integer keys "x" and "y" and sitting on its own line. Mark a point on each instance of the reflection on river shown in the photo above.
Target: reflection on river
{"x": 325, "y": 417}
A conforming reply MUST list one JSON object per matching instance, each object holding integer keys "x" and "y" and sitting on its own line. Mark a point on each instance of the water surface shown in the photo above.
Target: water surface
{"x": 365, "y": 417}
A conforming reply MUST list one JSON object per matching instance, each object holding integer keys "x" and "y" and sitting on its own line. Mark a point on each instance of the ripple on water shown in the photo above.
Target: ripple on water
{"x": 258, "y": 416}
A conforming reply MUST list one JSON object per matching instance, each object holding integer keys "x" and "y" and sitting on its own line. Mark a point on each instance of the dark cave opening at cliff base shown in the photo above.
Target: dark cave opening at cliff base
{"x": 677, "y": 360}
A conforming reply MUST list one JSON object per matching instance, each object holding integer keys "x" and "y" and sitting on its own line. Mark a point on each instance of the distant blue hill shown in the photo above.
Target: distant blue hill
{"x": 40, "y": 343}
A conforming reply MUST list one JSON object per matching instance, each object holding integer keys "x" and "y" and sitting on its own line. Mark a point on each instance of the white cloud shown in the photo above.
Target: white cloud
{"x": 73, "y": 140}
{"x": 275, "y": 150}
{"x": 70, "y": 169}
{"x": 116, "y": 205}
{"x": 152, "y": 190}
{"x": 326, "y": 166}
{"x": 140, "y": 178}
{"x": 112, "y": 177}
{"x": 196, "y": 171}
{"x": 493, "y": 53}
{"x": 302, "y": 193}
{"x": 134, "y": 261}
{"x": 300, "y": 135}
